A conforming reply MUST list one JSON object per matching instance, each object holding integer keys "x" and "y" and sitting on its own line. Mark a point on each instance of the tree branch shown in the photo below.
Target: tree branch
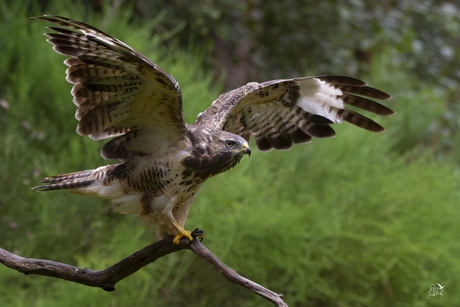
{"x": 106, "y": 279}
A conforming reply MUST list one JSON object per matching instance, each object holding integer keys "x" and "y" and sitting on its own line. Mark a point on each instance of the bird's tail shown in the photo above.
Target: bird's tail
{"x": 67, "y": 181}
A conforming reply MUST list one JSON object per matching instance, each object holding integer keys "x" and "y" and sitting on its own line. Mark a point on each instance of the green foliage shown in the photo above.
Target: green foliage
{"x": 358, "y": 220}
{"x": 323, "y": 36}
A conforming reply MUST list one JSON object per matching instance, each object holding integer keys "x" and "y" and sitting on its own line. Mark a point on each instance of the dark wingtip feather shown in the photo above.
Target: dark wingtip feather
{"x": 365, "y": 91}
{"x": 319, "y": 120}
{"x": 362, "y": 121}
{"x": 298, "y": 136}
{"x": 318, "y": 131}
{"x": 367, "y": 104}
{"x": 353, "y": 85}
{"x": 263, "y": 144}
{"x": 342, "y": 80}
{"x": 378, "y": 93}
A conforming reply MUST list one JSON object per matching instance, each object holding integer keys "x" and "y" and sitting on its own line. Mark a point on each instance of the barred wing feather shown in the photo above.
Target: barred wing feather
{"x": 117, "y": 90}
{"x": 281, "y": 113}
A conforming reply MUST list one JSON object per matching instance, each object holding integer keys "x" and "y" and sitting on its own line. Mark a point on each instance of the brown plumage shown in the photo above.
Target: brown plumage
{"x": 120, "y": 93}
{"x": 281, "y": 113}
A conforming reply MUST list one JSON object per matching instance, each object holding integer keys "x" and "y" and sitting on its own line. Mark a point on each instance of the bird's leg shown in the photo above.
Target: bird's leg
{"x": 181, "y": 232}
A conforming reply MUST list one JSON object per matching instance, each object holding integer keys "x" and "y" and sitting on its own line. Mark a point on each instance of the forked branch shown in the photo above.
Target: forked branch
{"x": 106, "y": 279}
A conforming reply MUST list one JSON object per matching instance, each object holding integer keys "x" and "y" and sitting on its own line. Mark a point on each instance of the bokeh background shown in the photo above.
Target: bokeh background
{"x": 358, "y": 220}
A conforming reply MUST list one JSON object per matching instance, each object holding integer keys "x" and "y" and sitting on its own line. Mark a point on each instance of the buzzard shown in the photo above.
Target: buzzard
{"x": 122, "y": 94}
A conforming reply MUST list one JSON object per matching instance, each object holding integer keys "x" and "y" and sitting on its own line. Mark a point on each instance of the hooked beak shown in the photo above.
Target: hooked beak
{"x": 246, "y": 149}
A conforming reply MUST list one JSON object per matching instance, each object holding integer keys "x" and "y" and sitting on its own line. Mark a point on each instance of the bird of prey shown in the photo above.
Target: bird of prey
{"x": 121, "y": 94}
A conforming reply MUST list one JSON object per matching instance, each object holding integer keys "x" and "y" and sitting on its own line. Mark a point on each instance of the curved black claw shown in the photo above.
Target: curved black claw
{"x": 198, "y": 233}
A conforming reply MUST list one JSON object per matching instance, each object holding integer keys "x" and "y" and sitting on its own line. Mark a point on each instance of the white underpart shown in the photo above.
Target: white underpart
{"x": 113, "y": 191}
{"x": 128, "y": 204}
{"x": 163, "y": 205}
{"x": 320, "y": 98}
{"x": 158, "y": 145}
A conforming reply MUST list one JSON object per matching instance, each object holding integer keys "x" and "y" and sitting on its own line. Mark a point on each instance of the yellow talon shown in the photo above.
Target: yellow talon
{"x": 181, "y": 232}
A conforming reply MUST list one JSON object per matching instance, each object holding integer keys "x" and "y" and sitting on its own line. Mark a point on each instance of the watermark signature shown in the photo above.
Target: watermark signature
{"x": 435, "y": 290}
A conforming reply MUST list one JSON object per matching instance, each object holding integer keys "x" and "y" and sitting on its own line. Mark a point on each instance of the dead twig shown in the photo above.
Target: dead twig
{"x": 106, "y": 279}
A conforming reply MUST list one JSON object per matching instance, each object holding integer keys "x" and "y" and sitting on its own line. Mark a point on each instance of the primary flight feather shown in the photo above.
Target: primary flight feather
{"x": 164, "y": 161}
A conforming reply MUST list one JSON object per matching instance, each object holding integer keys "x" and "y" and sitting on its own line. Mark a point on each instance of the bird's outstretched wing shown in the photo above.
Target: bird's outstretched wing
{"x": 117, "y": 91}
{"x": 281, "y": 113}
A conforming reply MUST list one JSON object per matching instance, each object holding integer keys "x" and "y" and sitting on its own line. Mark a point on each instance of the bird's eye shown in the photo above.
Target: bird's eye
{"x": 229, "y": 143}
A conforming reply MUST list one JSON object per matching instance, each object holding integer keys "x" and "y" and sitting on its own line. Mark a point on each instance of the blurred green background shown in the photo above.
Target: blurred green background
{"x": 359, "y": 220}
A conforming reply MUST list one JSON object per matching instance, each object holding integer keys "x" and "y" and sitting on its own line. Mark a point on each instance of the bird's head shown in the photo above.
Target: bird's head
{"x": 229, "y": 149}
{"x": 237, "y": 145}
{"x": 215, "y": 151}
